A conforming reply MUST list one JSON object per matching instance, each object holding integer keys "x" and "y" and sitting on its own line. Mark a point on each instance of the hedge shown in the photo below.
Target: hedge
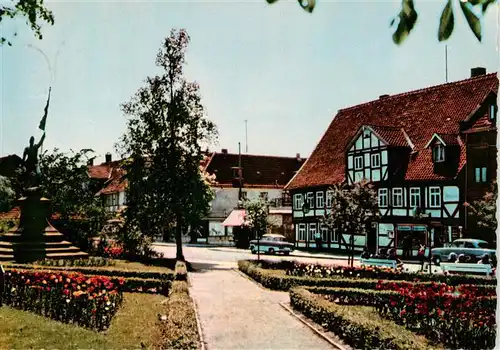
{"x": 270, "y": 278}
{"x": 463, "y": 321}
{"x": 359, "y": 331}
{"x": 108, "y": 271}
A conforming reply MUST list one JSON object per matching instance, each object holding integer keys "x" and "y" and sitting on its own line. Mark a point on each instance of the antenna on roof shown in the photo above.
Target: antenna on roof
{"x": 246, "y": 136}
{"x": 446, "y": 62}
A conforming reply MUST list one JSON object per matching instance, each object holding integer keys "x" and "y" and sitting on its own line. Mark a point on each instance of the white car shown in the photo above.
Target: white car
{"x": 271, "y": 244}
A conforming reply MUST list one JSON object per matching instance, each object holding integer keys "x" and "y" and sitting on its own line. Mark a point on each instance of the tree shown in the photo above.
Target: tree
{"x": 34, "y": 10}
{"x": 353, "y": 209}
{"x": 485, "y": 209}
{"x": 256, "y": 217}
{"x": 65, "y": 181}
{"x": 166, "y": 132}
{"x": 407, "y": 17}
{"x": 7, "y": 194}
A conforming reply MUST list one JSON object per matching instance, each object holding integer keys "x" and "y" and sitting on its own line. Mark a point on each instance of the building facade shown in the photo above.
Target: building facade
{"x": 427, "y": 152}
{"x": 240, "y": 177}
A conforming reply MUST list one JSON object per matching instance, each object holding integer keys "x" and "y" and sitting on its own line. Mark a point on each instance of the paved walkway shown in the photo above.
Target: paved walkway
{"x": 235, "y": 313}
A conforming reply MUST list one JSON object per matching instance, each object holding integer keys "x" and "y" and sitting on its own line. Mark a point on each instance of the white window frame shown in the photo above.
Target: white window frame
{"x": 310, "y": 199}
{"x": 492, "y": 111}
{"x": 383, "y": 193}
{"x": 298, "y": 201}
{"x": 439, "y": 153}
{"x": 358, "y": 162}
{"x": 375, "y": 164}
{"x": 415, "y": 197}
{"x": 320, "y": 200}
{"x": 397, "y": 192}
{"x": 312, "y": 231}
{"x": 434, "y": 196}
{"x": 324, "y": 232}
{"x": 334, "y": 236}
{"x": 302, "y": 232}
{"x": 329, "y": 199}
{"x": 480, "y": 174}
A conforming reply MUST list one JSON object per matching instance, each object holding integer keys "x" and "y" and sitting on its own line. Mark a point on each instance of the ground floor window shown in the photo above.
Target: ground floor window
{"x": 312, "y": 231}
{"x": 301, "y": 232}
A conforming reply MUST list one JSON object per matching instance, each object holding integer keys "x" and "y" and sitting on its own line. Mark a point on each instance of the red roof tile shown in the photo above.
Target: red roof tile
{"x": 421, "y": 113}
{"x": 258, "y": 171}
{"x": 393, "y": 136}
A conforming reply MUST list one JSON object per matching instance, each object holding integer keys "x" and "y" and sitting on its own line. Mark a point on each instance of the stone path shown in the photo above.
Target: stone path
{"x": 235, "y": 313}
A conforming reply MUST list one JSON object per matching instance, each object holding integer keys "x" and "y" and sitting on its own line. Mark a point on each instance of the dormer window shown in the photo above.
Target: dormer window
{"x": 492, "y": 112}
{"x": 438, "y": 153}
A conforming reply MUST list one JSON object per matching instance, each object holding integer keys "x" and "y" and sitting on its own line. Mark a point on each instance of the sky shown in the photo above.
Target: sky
{"x": 285, "y": 71}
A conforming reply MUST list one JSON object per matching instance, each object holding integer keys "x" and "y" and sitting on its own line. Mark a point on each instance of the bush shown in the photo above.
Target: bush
{"x": 180, "y": 329}
{"x": 68, "y": 297}
{"x": 181, "y": 272}
{"x": 359, "y": 331}
{"x": 92, "y": 261}
{"x": 435, "y": 311}
{"x": 109, "y": 271}
{"x": 327, "y": 271}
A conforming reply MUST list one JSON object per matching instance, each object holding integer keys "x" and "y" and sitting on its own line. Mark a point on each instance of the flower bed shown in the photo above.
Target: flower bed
{"x": 105, "y": 271}
{"x": 91, "y": 261}
{"x": 327, "y": 271}
{"x": 357, "y": 327}
{"x": 68, "y": 297}
{"x": 442, "y": 313}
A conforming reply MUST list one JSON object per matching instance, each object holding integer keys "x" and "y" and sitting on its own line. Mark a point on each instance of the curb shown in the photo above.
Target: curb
{"x": 310, "y": 326}
{"x": 203, "y": 345}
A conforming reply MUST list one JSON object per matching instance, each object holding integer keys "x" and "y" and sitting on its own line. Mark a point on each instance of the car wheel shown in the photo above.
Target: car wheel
{"x": 436, "y": 259}
{"x": 286, "y": 253}
{"x": 254, "y": 251}
{"x": 271, "y": 251}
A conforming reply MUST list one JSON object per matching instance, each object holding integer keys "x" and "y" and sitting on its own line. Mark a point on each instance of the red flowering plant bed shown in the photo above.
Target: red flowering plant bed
{"x": 67, "y": 297}
{"x": 459, "y": 317}
{"x": 371, "y": 272}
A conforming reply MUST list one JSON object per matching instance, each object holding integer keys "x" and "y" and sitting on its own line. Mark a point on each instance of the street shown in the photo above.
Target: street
{"x": 227, "y": 257}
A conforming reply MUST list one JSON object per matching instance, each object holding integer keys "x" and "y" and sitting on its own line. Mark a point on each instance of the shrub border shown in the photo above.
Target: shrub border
{"x": 359, "y": 334}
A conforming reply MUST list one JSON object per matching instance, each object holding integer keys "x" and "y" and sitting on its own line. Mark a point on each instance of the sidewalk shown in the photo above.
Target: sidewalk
{"x": 235, "y": 313}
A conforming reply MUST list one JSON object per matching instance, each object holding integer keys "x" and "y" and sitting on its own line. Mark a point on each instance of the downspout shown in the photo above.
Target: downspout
{"x": 466, "y": 181}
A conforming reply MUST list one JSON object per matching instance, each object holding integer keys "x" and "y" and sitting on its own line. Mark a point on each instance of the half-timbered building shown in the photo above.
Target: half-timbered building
{"x": 426, "y": 151}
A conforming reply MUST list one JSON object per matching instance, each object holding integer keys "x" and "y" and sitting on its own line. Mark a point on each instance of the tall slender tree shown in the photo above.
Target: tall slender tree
{"x": 167, "y": 131}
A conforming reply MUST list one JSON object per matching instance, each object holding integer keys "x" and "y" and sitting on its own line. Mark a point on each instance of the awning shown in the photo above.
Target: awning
{"x": 236, "y": 218}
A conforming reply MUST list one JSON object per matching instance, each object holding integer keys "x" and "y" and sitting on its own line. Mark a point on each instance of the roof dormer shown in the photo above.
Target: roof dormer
{"x": 440, "y": 143}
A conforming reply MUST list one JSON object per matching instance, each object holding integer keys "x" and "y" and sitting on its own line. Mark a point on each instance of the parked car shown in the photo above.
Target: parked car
{"x": 475, "y": 248}
{"x": 271, "y": 244}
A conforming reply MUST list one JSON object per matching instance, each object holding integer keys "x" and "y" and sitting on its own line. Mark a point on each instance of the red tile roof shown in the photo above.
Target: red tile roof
{"x": 116, "y": 183}
{"x": 392, "y": 135}
{"x": 258, "y": 171}
{"x": 421, "y": 113}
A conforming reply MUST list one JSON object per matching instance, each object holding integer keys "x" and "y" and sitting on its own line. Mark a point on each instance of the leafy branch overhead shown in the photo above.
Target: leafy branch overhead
{"x": 407, "y": 18}
{"x": 33, "y": 10}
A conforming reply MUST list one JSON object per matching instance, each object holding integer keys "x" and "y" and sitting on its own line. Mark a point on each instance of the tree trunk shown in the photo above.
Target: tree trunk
{"x": 178, "y": 239}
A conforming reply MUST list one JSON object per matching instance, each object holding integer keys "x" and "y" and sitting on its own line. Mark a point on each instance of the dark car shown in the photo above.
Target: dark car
{"x": 475, "y": 248}
{"x": 271, "y": 244}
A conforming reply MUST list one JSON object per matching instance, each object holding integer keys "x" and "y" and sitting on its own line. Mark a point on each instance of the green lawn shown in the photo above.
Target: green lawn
{"x": 135, "y": 325}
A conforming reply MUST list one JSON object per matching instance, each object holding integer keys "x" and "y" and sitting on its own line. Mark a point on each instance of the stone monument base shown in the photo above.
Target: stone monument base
{"x": 35, "y": 238}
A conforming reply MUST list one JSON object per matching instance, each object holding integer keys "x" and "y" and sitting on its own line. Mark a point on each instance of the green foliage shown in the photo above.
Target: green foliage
{"x": 7, "y": 194}
{"x": 33, "y": 10}
{"x": 407, "y": 17}
{"x": 65, "y": 181}
{"x": 256, "y": 216}
{"x": 353, "y": 209}
{"x": 92, "y": 261}
{"x": 485, "y": 210}
{"x": 167, "y": 131}
{"x": 361, "y": 327}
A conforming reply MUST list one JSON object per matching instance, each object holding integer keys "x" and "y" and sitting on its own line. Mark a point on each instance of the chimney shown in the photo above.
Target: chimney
{"x": 383, "y": 96}
{"x": 475, "y": 72}
{"x": 90, "y": 162}
{"x": 224, "y": 151}
{"x": 108, "y": 157}
{"x": 298, "y": 157}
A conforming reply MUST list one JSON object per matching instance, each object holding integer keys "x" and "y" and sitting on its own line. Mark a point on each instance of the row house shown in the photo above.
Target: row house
{"x": 244, "y": 176}
{"x": 427, "y": 152}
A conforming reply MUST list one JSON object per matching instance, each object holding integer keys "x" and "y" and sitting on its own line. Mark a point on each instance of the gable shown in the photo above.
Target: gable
{"x": 365, "y": 139}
